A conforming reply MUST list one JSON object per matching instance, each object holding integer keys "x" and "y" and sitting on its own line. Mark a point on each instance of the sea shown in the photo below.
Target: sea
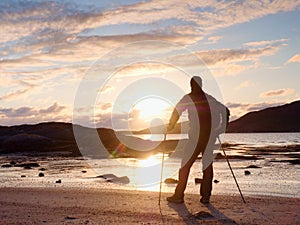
{"x": 274, "y": 172}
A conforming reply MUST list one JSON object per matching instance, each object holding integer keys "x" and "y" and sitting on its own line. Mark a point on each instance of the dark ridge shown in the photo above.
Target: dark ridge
{"x": 284, "y": 118}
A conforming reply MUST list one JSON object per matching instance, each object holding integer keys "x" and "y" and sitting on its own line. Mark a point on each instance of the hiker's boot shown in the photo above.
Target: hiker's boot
{"x": 205, "y": 199}
{"x": 175, "y": 199}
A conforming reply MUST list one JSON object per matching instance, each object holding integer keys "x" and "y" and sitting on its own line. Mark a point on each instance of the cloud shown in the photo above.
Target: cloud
{"x": 55, "y": 108}
{"x": 235, "y": 55}
{"x": 244, "y": 84}
{"x": 213, "y": 57}
{"x": 14, "y": 94}
{"x": 145, "y": 69}
{"x": 18, "y": 93}
{"x": 295, "y": 58}
{"x": 214, "y": 39}
{"x": 27, "y": 111}
{"x": 279, "y": 92}
{"x": 30, "y": 114}
{"x": 221, "y": 14}
{"x": 106, "y": 89}
{"x": 266, "y": 42}
{"x": 225, "y": 62}
{"x": 51, "y": 33}
{"x": 52, "y": 43}
{"x": 36, "y": 22}
{"x": 24, "y": 63}
{"x": 106, "y": 106}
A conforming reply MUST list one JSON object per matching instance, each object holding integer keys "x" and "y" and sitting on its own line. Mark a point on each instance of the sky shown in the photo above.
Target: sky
{"x": 122, "y": 63}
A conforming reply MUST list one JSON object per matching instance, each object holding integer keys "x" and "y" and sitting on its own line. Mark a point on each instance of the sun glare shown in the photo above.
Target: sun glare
{"x": 151, "y": 161}
{"x": 150, "y": 108}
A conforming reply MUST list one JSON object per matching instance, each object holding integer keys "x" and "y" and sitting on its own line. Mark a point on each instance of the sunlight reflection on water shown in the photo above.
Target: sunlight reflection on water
{"x": 273, "y": 178}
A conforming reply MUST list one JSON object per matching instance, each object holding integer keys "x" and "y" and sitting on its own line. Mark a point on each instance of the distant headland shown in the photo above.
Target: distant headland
{"x": 58, "y": 137}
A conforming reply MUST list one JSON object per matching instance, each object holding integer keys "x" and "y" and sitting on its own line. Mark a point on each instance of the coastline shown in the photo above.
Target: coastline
{"x": 83, "y": 197}
{"x": 102, "y": 206}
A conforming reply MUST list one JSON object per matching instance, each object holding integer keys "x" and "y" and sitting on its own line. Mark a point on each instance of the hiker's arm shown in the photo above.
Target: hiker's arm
{"x": 173, "y": 120}
{"x": 227, "y": 115}
{"x": 180, "y": 107}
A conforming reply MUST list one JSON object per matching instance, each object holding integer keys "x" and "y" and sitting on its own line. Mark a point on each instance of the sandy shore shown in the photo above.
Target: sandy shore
{"x": 96, "y": 206}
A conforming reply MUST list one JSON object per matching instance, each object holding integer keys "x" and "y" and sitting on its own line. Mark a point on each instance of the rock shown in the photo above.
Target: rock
{"x": 253, "y": 167}
{"x": 203, "y": 215}
{"x": 198, "y": 180}
{"x": 27, "y": 167}
{"x": 216, "y": 181}
{"x": 219, "y": 156}
{"x": 114, "y": 179}
{"x": 122, "y": 180}
{"x": 13, "y": 163}
{"x": 70, "y": 218}
{"x": 41, "y": 175}
{"x": 171, "y": 181}
{"x": 295, "y": 161}
{"x": 247, "y": 172}
{"x": 58, "y": 181}
{"x": 6, "y": 166}
{"x": 83, "y": 171}
{"x": 31, "y": 164}
{"x": 42, "y": 169}
{"x": 23, "y": 176}
{"x": 107, "y": 176}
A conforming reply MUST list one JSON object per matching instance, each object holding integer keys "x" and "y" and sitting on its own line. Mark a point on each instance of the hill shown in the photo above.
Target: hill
{"x": 57, "y": 138}
{"x": 284, "y": 118}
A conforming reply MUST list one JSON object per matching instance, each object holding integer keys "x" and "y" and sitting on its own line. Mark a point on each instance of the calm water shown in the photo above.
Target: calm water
{"x": 262, "y": 139}
{"x": 274, "y": 178}
{"x": 251, "y": 139}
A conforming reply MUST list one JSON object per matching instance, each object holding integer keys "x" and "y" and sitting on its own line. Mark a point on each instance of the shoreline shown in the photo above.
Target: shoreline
{"x": 267, "y": 177}
{"x": 59, "y": 205}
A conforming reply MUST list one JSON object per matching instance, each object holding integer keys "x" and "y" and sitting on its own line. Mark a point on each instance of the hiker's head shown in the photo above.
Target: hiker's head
{"x": 196, "y": 84}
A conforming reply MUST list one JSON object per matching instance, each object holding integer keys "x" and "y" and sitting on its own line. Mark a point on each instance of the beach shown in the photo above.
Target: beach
{"x": 58, "y": 205}
{"x": 53, "y": 189}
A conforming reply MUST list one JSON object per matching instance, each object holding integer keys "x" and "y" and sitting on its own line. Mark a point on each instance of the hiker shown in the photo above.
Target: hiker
{"x": 208, "y": 118}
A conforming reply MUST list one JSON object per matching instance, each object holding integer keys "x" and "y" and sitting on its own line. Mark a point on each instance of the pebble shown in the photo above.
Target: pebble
{"x": 247, "y": 172}
{"x": 171, "y": 181}
{"x": 41, "y": 174}
{"x": 13, "y": 162}
{"x": 253, "y": 167}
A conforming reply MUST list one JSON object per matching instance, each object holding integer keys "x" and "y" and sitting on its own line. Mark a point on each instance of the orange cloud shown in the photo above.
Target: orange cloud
{"x": 295, "y": 58}
{"x": 279, "y": 92}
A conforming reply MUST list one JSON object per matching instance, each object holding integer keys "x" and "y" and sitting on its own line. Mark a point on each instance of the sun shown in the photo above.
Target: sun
{"x": 151, "y": 107}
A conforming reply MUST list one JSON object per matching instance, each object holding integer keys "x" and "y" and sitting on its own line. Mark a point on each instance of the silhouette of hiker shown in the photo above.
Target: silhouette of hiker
{"x": 208, "y": 118}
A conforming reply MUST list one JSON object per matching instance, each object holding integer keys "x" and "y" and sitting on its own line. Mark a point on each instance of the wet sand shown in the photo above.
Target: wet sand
{"x": 58, "y": 205}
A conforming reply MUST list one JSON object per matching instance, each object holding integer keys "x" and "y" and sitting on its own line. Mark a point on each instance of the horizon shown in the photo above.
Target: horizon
{"x": 124, "y": 130}
{"x": 248, "y": 57}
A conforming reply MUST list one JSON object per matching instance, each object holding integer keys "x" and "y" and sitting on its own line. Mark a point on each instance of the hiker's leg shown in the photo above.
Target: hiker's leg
{"x": 206, "y": 185}
{"x": 184, "y": 174}
{"x": 182, "y": 181}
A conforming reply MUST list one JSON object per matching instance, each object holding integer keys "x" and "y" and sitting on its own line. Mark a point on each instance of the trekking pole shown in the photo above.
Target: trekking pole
{"x": 231, "y": 171}
{"x": 162, "y": 167}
